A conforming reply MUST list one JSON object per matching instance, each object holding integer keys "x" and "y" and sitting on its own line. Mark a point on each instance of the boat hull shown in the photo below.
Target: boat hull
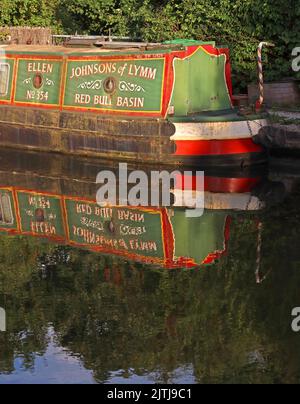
{"x": 140, "y": 140}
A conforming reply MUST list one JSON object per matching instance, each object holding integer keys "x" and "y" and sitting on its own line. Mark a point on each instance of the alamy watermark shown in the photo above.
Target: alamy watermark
{"x": 296, "y": 60}
{"x": 154, "y": 189}
{"x": 2, "y": 320}
{"x": 296, "y": 320}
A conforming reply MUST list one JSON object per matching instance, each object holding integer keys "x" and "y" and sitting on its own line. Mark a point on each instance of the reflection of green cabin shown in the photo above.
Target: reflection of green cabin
{"x": 149, "y": 235}
{"x": 199, "y": 238}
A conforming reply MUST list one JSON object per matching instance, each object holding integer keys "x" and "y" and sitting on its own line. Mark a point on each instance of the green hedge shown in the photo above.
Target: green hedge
{"x": 241, "y": 24}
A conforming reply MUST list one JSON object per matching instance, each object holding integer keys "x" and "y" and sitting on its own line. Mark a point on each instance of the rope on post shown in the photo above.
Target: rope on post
{"x": 260, "y": 101}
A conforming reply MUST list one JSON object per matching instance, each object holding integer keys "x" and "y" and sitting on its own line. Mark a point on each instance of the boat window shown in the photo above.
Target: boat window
{"x": 6, "y": 215}
{"x": 4, "y": 78}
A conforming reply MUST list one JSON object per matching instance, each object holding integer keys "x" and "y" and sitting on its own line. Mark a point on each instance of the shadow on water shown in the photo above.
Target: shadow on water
{"x": 210, "y": 301}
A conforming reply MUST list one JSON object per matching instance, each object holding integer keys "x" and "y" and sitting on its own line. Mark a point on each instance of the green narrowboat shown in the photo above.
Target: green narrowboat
{"x": 170, "y": 103}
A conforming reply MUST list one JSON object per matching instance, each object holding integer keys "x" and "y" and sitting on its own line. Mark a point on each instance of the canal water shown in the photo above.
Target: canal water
{"x": 127, "y": 295}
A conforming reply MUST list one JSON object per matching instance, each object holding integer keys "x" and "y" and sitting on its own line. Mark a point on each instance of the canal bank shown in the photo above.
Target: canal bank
{"x": 282, "y": 134}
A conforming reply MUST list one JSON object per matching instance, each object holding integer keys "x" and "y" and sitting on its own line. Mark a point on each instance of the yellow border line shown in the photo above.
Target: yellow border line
{"x": 38, "y": 103}
{"x": 116, "y": 110}
{"x": 33, "y": 193}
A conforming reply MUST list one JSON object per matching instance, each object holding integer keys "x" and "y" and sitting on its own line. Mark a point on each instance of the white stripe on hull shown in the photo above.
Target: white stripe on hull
{"x": 219, "y": 201}
{"x": 217, "y": 130}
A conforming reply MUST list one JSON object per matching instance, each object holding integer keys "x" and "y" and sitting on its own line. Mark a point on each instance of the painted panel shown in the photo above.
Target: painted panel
{"x": 8, "y": 220}
{"x": 133, "y": 85}
{"x": 201, "y": 83}
{"x": 39, "y": 81}
{"x": 41, "y": 214}
{"x": 125, "y": 231}
{"x": 6, "y": 78}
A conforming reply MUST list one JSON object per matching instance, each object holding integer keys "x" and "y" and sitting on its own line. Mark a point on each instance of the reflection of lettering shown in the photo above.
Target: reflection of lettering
{"x": 84, "y": 208}
{"x": 43, "y": 228}
{"x": 91, "y": 85}
{"x": 125, "y": 86}
{"x": 103, "y": 212}
{"x": 131, "y": 216}
{"x": 39, "y": 202}
{"x": 139, "y": 245}
{"x": 91, "y": 238}
{"x": 92, "y": 223}
{"x": 126, "y": 230}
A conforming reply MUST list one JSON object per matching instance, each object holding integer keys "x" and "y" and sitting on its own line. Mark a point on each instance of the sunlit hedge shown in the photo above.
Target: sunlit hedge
{"x": 241, "y": 24}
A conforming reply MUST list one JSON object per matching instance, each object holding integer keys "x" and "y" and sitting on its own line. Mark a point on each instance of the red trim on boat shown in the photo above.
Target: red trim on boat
{"x": 218, "y": 184}
{"x": 211, "y": 258}
{"x": 216, "y": 147}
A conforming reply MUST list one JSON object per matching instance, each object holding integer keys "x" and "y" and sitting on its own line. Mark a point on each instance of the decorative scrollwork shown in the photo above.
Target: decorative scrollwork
{"x": 49, "y": 82}
{"x": 27, "y": 81}
{"x": 125, "y": 86}
{"x": 91, "y": 85}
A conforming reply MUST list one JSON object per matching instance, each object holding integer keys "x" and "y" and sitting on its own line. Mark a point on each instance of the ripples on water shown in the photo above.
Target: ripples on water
{"x": 224, "y": 315}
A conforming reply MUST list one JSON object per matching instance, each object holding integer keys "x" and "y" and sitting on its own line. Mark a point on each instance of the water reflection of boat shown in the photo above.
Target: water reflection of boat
{"x": 57, "y": 203}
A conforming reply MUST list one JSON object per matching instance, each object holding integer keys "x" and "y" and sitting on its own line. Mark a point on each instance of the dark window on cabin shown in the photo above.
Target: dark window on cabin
{"x": 6, "y": 215}
{"x": 4, "y": 78}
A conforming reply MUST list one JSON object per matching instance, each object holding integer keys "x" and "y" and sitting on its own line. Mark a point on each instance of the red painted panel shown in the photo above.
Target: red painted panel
{"x": 216, "y": 147}
{"x": 218, "y": 184}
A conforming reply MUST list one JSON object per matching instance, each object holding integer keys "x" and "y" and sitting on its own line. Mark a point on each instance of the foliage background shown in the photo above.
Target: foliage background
{"x": 117, "y": 315}
{"x": 241, "y": 24}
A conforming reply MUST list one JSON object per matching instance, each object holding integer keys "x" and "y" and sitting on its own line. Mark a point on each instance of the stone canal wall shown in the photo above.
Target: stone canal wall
{"x": 279, "y": 136}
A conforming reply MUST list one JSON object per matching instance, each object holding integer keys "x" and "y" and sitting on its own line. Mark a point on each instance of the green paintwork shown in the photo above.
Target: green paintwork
{"x": 119, "y": 229}
{"x": 7, "y": 210}
{"x": 138, "y": 84}
{"x": 200, "y": 84}
{"x": 49, "y": 92}
{"x": 41, "y": 214}
{"x": 11, "y": 63}
{"x": 198, "y": 237}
